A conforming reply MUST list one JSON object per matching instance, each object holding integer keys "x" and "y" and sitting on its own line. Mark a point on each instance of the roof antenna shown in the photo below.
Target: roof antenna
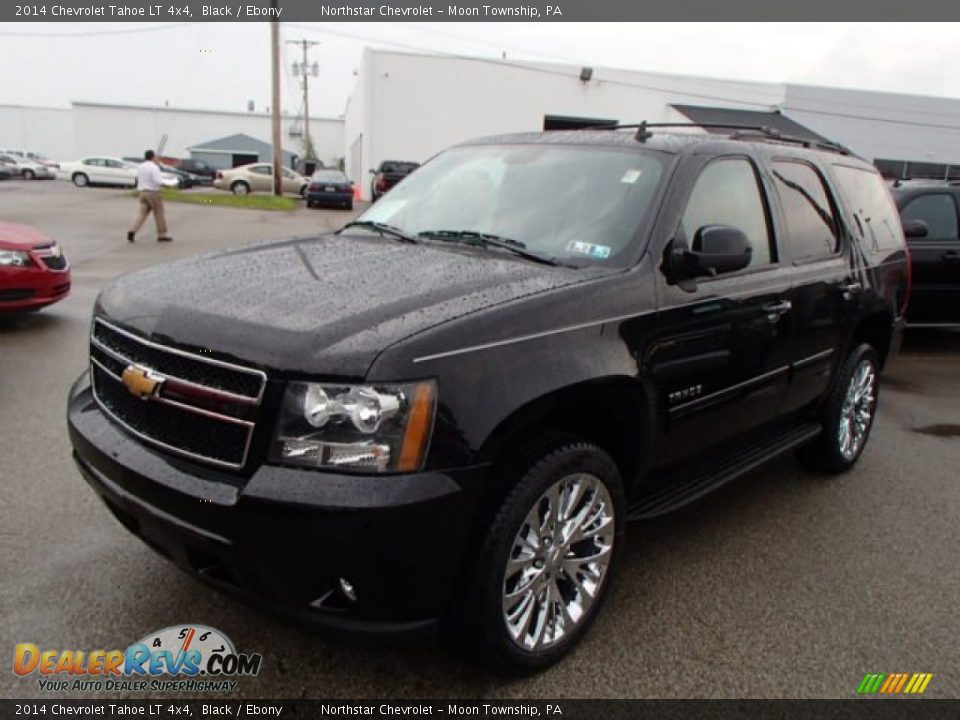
{"x": 642, "y": 133}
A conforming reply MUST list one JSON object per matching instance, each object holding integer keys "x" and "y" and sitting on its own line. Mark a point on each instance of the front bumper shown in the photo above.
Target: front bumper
{"x": 31, "y": 288}
{"x": 283, "y": 537}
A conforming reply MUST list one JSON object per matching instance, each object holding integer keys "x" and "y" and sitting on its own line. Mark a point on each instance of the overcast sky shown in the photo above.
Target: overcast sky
{"x": 223, "y": 65}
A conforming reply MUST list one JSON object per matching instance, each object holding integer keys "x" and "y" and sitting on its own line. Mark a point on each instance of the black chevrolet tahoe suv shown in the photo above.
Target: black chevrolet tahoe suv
{"x": 443, "y": 416}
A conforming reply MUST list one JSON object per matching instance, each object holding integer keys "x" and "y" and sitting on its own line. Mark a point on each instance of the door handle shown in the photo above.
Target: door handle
{"x": 851, "y": 289}
{"x": 775, "y": 310}
{"x": 778, "y": 307}
{"x": 950, "y": 256}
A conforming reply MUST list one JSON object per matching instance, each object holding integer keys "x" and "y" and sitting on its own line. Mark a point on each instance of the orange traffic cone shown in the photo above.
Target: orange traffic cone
{"x": 356, "y": 193}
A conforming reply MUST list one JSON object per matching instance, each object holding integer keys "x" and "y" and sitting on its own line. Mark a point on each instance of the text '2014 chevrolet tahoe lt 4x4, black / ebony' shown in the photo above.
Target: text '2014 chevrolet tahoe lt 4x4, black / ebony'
{"x": 443, "y": 416}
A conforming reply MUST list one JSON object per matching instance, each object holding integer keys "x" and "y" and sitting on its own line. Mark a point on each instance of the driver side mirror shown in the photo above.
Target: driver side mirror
{"x": 716, "y": 249}
{"x": 915, "y": 228}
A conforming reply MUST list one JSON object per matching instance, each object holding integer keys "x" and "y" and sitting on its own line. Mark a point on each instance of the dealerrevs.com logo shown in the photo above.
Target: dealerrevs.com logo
{"x": 198, "y": 658}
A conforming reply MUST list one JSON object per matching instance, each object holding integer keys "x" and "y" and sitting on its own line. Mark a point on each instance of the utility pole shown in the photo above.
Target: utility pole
{"x": 305, "y": 70}
{"x": 275, "y": 104}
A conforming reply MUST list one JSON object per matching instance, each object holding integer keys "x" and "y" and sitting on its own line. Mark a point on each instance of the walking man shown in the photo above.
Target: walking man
{"x": 149, "y": 181}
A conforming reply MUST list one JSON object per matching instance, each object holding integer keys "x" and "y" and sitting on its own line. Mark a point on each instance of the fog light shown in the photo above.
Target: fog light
{"x": 346, "y": 587}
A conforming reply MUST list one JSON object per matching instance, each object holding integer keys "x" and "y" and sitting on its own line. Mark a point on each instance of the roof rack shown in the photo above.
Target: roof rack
{"x": 739, "y": 132}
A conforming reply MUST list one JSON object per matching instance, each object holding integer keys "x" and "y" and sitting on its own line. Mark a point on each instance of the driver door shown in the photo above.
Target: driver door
{"x": 721, "y": 362}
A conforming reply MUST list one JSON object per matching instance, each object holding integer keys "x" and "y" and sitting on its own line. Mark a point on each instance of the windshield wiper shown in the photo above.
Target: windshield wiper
{"x": 382, "y": 228}
{"x": 489, "y": 240}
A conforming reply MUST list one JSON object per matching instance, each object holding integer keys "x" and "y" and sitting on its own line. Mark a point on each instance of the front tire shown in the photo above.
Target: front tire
{"x": 847, "y": 415}
{"x": 240, "y": 188}
{"x": 80, "y": 180}
{"x": 546, "y": 563}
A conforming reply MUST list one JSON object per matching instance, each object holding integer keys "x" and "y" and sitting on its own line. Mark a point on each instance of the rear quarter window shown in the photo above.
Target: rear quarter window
{"x": 874, "y": 218}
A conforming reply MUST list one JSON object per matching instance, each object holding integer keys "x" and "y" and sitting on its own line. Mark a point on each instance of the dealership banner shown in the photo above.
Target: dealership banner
{"x": 565, "y": 709}
{"x": 469, "y": 10}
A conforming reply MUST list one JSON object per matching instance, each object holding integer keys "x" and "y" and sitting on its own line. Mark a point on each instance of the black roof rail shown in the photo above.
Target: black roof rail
{"x": 739, "y": 132}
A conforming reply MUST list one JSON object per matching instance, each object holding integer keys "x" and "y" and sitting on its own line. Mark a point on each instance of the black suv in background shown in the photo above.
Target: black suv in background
{"x": 928, "y": 209}
{"x": 444, "y": 415}
{"x": 389, "y": 174}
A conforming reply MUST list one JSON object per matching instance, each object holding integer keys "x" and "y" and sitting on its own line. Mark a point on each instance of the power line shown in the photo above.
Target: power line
{"x": 124, "y": 31}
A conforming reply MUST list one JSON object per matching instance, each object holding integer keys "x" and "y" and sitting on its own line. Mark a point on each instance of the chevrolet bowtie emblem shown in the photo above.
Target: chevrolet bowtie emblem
{"x": 141, "y": 381}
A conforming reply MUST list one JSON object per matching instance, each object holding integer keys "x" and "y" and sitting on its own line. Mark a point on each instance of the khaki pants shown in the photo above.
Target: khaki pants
{"x": 151, "y": 201}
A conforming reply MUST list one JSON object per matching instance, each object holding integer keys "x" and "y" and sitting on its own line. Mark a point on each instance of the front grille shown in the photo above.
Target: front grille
{"x": 200, "y": 408}
{"x": 54, "y": 262}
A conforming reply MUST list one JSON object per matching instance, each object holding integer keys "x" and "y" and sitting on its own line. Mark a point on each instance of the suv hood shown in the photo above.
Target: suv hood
{"x": 322, "y": 306}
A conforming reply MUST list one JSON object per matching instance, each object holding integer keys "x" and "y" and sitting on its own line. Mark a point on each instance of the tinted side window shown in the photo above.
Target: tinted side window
{"x": 938, "y": 211}
{"x": 811, "y": 226}
{"x": 875, "y": 220}
{"x": 728, "y": 193}
{"x": 261, "y": 169}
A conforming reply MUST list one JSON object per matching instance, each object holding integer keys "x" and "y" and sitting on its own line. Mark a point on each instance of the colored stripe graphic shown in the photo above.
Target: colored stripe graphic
{"x": 894, "y": 683}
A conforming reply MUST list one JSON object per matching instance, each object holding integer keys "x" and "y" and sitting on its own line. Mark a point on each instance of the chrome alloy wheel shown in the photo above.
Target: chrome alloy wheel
{"x": 856, "y": 413}
{"x": 558, "y": 562}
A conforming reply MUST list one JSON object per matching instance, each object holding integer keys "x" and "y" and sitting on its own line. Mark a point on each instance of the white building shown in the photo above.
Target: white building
{"x": 127, "y": 130}
{"x": 408, "y": 107}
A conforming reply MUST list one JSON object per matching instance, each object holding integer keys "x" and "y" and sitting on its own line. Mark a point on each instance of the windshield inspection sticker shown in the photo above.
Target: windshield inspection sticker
{"x": 631, "y": 176}
{"x": 600, "y": 252}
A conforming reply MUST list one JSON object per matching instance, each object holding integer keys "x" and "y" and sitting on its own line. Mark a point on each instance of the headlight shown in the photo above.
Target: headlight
{"x": 14, "y": 258}
{"x": 382, "y": 428}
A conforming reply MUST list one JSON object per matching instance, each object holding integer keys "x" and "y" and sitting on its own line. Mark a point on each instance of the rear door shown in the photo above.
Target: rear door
{"x": 260, "y": 178}
{"x": 118, "y": 173}
{"x": 96, "y": 170}
{"x": 721, "y": 359}
{"x": 935, "y": 296}
{"x": 826, "y": 292}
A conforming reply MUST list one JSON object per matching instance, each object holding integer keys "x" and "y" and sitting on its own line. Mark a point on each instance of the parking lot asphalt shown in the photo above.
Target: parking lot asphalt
{"x": 784, "y": 584}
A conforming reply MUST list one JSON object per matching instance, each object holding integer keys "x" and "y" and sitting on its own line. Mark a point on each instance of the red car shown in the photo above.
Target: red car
{"x": 34, "y": 272}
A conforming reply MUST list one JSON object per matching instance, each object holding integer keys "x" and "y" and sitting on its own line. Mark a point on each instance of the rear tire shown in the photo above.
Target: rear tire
{"x": 29, "y": 175}
{"x": 350, "y": 205}
{"x": 80, "y": 180}
{"x": 546, "y": 563}
{"x": 848, "y": 414}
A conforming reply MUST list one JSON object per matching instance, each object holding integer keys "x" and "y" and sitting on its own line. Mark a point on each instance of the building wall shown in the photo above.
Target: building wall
{"x": 409, "y": 107}
{"x": 424, "y": 103}
{"x": 124, "y": 130}
{"x": 358, "y": 126}
{"x": 48, "y": 131}
{"x": 880, "y": 125}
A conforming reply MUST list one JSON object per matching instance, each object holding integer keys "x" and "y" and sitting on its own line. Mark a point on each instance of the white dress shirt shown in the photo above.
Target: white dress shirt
{"x": 149, "y": 176}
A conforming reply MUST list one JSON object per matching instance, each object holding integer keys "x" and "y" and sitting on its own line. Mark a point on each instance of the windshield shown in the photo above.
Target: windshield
{"x": 569, "y": 203}
{"x": 329, "y": 176}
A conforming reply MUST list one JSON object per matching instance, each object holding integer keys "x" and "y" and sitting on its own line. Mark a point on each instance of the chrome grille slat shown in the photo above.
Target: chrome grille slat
{"x": 233, "y": 397}
{"x": 177, "y": 425}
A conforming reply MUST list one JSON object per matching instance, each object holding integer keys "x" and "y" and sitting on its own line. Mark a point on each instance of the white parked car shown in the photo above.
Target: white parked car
{"x": 25, "y": 168}
{"x": 31, "y": 156}
{"x": 105, "y": 171}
